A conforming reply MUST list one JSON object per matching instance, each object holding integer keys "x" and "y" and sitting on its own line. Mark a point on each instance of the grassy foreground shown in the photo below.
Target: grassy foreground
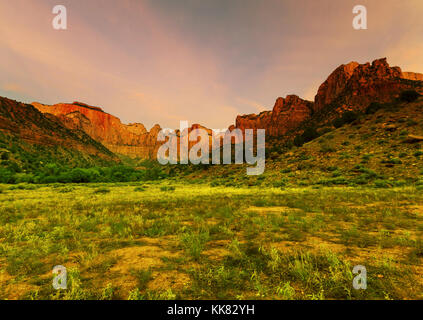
{"x": 181, "y": 241}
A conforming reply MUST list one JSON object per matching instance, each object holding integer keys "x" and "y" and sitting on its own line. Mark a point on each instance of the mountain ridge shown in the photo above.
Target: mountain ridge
{"x": 350, "y": 87}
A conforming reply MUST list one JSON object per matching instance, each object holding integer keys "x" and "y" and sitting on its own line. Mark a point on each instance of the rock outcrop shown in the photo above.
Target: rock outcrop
{"x": 334, "y": 85}
{"x": 352, "y": 86}
{"x": 412, "y": 76}
{"x": 132, "y": 140}
{"x": 30, "y": 125}
{"x": 358, "y": 85}
{"x": 286, "y": 115}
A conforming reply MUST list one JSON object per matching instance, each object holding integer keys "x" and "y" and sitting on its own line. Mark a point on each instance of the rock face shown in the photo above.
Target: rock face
{"x": 350, "y": 87}
{"x": 30, "y": 125}
{"x": 132, "y": 140}
{"x": 286, "y": 115}
{"x": 334, "y": 85}
{"x": 412, "y": 76}
{"x": 358, "y": 85}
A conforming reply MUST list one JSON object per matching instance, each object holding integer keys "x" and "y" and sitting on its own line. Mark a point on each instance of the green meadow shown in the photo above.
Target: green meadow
{"x": 172, "y": 240}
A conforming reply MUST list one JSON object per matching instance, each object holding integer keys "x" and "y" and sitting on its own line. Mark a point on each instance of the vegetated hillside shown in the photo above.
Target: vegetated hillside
{"x": 30, "y": 125}
{"x": 381, "y": 147}
{"x": 30, "y": 140}
{"x": 351, "y": 87}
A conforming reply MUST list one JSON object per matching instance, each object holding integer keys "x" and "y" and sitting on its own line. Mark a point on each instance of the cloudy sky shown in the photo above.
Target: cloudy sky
{"x": 205, "y": 61}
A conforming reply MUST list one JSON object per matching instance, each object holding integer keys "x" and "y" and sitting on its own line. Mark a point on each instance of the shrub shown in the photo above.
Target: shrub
{"x": 409, "y": 96}
{"x": 382, "y": 184}
{"x": 373, "y": 107}
{"x": 338, "y": 123}
{"x": 310, "y": 134}
{"x": 392, "y": 161}
{"x": 299, "y": 141}
{"x": 347, "y": 117}
{"x": 326, "y": 148}
{"x": 332, "y": 168}
{"x": 333, "y": 181}
{"x": 280, "y": 184}
{"x": 324, "y": 130}
{"x": 5, "y": 156}
{"x": 167, "y": 188}
{"x": 102, "y": 190}
{"x": 214, "y": 184}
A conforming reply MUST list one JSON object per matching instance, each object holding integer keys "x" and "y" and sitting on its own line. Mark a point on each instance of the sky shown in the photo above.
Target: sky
{"x": 205, "y": 61}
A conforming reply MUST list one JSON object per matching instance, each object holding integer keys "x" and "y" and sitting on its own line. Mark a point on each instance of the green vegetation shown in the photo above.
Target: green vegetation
{"x": 308, "y": 135}
{"x": 138, "y": 230}
{"x": 202, "y": 242}
{"x": 347, "y": 117}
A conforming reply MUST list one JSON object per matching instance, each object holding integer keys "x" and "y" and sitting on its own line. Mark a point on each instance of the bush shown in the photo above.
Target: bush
{"x": 373, "y": 107}
{"x": 392, "y": 161}
{"x": 409, "y": 96}
{"x": 5, "y": 156}
{"x": 326, "y": 148}
{"x": 308, "y": 135}
{"x": 102, "y": 190}
{"x": 333, "y": 181}
{"x": 338, "y": 123}
{"x": 6, "y": 176}
{"x": 382, "y": 184}
{"x": 299, "y": 141}
{"x": 167, "y": 188}
{"x": 347, "y": 117}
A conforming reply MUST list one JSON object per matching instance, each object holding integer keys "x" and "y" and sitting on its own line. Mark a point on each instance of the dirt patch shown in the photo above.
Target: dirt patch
{"x": 273, "y": 210}
{"x": 416, "y": 209}
{"x": 216, "y": 253}
{"x": 144, "y": 257}
{"x": 10, "y": 289}
{"x": 139, "y": 258}
{"x": 170, "y": 279}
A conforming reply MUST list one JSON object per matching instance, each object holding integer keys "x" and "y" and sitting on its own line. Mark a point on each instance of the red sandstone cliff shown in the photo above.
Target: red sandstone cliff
{"x": 286, "y": 115}
{"x": 357, "y": 85}
{"x": 349, "y": 87}
{"x": 132, "y": 140}
{"x": 28, "y": 124}
{"x": 412, "y": 76}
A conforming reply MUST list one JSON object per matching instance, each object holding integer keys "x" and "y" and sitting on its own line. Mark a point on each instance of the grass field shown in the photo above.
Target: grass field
{"x": 194, "y": 241}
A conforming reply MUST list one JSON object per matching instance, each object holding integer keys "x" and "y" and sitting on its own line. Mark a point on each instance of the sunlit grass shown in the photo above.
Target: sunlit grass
{"x": 172, "y": 240}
